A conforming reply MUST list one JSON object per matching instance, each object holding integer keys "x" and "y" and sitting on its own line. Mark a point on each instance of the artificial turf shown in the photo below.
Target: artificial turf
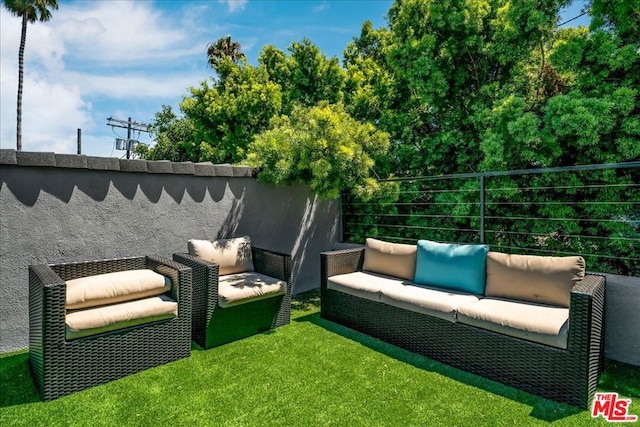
{"x": 309, "y": 373}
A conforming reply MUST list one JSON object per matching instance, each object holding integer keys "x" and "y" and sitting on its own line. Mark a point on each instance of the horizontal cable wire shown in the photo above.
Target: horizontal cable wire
{"x": 461, "y": 190}
{"x": 574, "y": 236}
{"x": 558, "y": 219}
{"x": 519, "y": 172}
{"x": 565, "y": 187}
{"x": 563, "y": 252}
{"x": 566, "y": 202}
{"x": 413, "y": 227}
{"x": 513, "y": 218}
{"x": 414, "y": 215}
{"x": 391, "y": 238}
{"x": 414, "y": 204}
{"x": 436, "y": 207}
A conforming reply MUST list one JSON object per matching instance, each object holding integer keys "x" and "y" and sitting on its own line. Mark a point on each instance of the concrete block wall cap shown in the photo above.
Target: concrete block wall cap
{"x": 71, "y": 161}
{"x": 29, "y": 158}
{"x": 243, "y": 171}
{"x": 182, "y": 168}
{"x": 133, "y": 165}
{"x": 223, "y": 170}
{"x": 103, "y": 163}
{"x": 8, "y": 157}
{"x": 204, "y": 169}
{"x": 159, "y": 166}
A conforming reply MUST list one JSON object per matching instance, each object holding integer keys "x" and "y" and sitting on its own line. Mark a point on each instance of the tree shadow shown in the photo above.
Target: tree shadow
{"x": 621, "y": 378}
{"x": 17, "y": 384}
{"x": 306, "y": 301}
{"x": 542, "y": 409}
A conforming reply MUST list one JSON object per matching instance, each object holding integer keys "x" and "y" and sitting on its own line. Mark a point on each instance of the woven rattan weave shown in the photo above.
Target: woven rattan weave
{"x": 212, "y": 325}
{"x": 61, "y": 367}
{"x": 570, "y": 376}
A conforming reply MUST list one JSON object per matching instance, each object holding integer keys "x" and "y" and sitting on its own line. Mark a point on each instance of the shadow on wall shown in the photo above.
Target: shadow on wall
{"x": 61, "y": 183}
{"x": 26, "y": 185}
{"x": 285, "y": 219}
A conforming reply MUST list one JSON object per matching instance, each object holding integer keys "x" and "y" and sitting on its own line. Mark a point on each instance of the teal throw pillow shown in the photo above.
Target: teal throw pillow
{"x": 452, "y": 266}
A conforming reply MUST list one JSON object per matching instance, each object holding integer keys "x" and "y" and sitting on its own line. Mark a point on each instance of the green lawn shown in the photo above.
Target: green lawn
{"x": 311, "y": 372}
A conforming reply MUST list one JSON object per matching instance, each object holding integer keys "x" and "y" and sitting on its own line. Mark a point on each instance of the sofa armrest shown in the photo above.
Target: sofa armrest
{"x": 341, "y": 261}
{"x": 74, "y": 270}
{"x": 47, "y": 299}
{"x": 273, "y": 264}
{"x": 586, "y": 315}
{"x": 181, "y": 277}
{"x": 205, "y": 286}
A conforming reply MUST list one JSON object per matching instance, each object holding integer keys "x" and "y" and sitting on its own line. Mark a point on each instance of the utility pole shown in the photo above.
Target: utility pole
{"x": 130, "y": 126}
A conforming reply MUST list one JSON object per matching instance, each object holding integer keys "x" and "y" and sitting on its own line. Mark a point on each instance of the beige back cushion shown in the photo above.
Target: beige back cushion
{"x": 232, "y": 255}
{"x": 109, "y": 288}
{"x": 391, "y": 259}
{"x": 541, "y": 279}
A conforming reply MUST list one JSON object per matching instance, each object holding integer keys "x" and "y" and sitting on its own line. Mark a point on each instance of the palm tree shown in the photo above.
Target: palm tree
{"x": 222, "y": 48}
{"x": 30, "y": 11}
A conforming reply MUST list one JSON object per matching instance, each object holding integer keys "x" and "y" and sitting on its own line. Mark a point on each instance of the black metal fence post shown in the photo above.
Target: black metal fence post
{"x": 482, "y": 208}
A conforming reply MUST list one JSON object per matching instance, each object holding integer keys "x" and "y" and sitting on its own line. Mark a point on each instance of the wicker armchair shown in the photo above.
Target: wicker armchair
{"x": 61, "y": 366}
{"x": 213, "y": 325}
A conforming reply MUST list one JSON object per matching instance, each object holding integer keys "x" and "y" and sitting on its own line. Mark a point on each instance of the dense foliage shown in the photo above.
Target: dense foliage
{"x": 322, "y": 146}
{"x": 456, "y": 87}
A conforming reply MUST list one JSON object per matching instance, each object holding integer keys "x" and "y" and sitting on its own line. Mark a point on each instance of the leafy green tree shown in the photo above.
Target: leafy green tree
{"x": 493, "y": 85}
{"x": 226, "y": 115}
{"x": 305, "y": 75}
{"x": 228, "y": 112}
{"x": 223, "y": 53}
{"x": 367, "y": 77}
{"x": 368, "y": 88}
{"x": 30, "y": 11}
{"x": 619, "y": 16}
{"x": 451, "y": 60}
{"x": 174, "y": 139}
{"x": 322, "y": 146}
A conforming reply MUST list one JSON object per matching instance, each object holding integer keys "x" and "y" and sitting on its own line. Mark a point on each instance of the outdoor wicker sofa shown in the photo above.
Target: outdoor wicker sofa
{"x": 239, "y": 290}
{"x": 64, "y": 360}
{"x": 568, "y": 375}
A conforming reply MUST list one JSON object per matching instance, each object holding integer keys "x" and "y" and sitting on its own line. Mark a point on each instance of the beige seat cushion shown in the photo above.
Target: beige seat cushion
{"x": 534, "y": 322}
{"x": 91, "y": 321}
{"x": 433, "y": 302}
{"x": 391, "y": 259}
{"x": 241, "y": 288}
{"x": 363, "y": 284}
{"x": 232, "y": 255}
{"x": 109, "y": 288}
{"x": 540, "y": 279}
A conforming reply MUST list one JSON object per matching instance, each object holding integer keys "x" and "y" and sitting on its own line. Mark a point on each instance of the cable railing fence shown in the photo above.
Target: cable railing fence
{"x": 591, "y": 210}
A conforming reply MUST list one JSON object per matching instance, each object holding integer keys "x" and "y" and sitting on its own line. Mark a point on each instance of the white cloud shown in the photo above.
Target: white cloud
{"x": 235, "y": 5}
{"x": 118, "y": 53}
{"x": 121, "y": 32}
{"x": 51, "y": 115}
{"x": 322, "y": 6}
{"x": 138, "y": 85}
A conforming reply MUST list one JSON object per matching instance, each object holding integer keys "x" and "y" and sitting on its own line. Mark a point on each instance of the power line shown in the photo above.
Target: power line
{"x": 574, "y": 18}
{"x": 129, "y": 125}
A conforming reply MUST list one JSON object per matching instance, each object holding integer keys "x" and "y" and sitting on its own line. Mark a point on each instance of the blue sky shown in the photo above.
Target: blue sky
{"x": 126, "y": 58}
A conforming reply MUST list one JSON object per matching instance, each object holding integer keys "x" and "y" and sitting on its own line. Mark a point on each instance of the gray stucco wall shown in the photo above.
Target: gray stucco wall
{"x": 61, "y": 209}
{"x": 622, "y": 319}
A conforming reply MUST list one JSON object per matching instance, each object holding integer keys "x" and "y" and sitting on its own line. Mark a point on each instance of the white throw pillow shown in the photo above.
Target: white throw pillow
{"x": 232, "y": 255}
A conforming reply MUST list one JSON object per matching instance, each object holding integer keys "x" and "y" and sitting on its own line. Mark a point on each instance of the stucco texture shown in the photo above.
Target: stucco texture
{"x": 55, "y": 214}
